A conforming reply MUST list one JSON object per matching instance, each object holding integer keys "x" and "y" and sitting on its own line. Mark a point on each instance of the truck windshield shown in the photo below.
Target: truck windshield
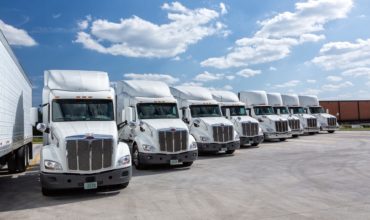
{"x": 298, "y": 110}
{"x": 283, "y": 110}
{"x": 234, "y": 110}
{"x": 157, "y": 110}
{"x": 317, "y": 110}
{"x": 82, "y": 110}
{"x": 263, "y": 110}
{"x": 205, "y": 111}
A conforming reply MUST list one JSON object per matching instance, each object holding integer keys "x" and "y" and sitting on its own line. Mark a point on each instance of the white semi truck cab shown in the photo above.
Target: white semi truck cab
{"x": 326, "y": 121}
{"x": 273, "y": 126}
{"x": 150, "y": 122}
{"x": 81, "y": 147}
{"x": 247, "y": 127}
{"x": 275, "y": 100}
{"x": 308, "y": 122}
{"x": 202, "y": 114}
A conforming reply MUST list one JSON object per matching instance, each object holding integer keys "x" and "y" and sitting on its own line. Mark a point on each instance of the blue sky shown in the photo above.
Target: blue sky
{"x": 319, "y": 47}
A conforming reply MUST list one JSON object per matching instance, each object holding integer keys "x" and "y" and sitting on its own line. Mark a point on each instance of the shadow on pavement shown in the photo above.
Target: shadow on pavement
{"x": 22, "y": 191}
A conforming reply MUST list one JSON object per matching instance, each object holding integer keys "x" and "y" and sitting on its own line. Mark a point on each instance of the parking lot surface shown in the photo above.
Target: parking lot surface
{"x": 325, "y": 176}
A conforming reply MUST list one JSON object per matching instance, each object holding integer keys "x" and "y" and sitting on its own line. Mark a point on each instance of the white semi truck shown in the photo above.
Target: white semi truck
{"x": 308, "y": 122}
{"x": 275, "y": 100}
{"x": 273, "y": 126}
{"x": 212, "y": 132}
{"x": 81, "y": 147}
{"x": 16, "y": 117}
{"x": 247, "y": 127}
{"x": 151, "y": 124}
{"x": 326, "y": 121}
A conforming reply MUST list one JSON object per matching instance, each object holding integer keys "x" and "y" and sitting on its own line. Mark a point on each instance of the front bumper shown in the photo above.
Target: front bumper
{"x": 148, "y": 158}
{"x": 275, "y": 135}
{"x": 251, "y": 140}
{"x": 311, "y": 130}
{"x": 71, "y": 180}
{"x": 329, "y": 128}
{"x": 297, "y": 132}
{"x": 216, "y": 147}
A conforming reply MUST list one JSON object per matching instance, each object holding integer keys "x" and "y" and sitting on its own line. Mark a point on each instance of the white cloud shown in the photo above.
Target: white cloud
{"x": 228, "y": 87}
{"x": 277, "y": 35}
{"x": 311, "y": 92}
{"x": 334, "y": 78}
{"x": 56, "y": 16}
{"x": 15, "y": 36}
{"x": 230, "y": 77}
{"x": 246, "y": 73}
{"x": 152, "y": 76}
{"x": 291, "y": 83}
{"x": 136, "y": 37}
{"x": 192, "y": 84}
{"x": 206, "y": 76}
{"x": 311, "y": 81}
{"x": 176, "y": 58}
{"x": 272, "y": 68}
{"x": 361, "y": 71}
{"x": 335, "y": 87}
{"x": 223, "y": 8}
{"x": 84, "y": 24}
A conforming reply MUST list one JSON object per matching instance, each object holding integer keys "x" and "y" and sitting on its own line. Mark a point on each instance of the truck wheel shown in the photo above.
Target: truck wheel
{"x": 331, "y": 132}
{"x": 255, "y": 144}
{"x": 21, "y": 159}
{"x": 12, "y": 165}
{"x": 311, "y": 133}
{"x": 136, "y": 159}
{"x": 282, "y": 139}
{"x": 187, "y": 164}
{"x": 230, "y": 151}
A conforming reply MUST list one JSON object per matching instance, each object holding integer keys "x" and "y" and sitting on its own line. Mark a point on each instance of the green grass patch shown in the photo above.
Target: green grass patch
{"x": 354, "y": 129}
{"x": 37, "y": 140}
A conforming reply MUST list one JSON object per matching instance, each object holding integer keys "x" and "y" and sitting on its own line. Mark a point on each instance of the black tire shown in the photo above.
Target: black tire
{"x": 331, "y": 132}
{"x": 282, "y": 139}
{"x": 136, "y": 159}
{"x": 123, "y": 185}
{"x": 229, "y": 151}
{"x": 21, "y": 159}
{"x": 295, "y": 136}
{"x": 312, "y": 133}
{"x": 187, "y": 164}
{"x": 12, "y": 165}
{"x": 255, "y": 144}
{"x": 48, "y": 192}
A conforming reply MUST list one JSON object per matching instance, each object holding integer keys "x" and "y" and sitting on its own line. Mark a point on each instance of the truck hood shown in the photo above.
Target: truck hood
{"x": 325, "y": 115}
{"x": 273, "y": 117}
{"x": 159, "y": 124}
{"x": 65, "y": 129}
{"x": 244, "y": 119}
{"x": 215, "y": 120}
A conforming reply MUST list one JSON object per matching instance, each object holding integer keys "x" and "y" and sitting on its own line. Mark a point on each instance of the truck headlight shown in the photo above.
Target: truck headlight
{"x": 204, "y": 138}
{"x": 52, "y": 165}
{"x": 193, "y": 145}
{"x": 125, "y": 160}
{"x": 147, "y": 147}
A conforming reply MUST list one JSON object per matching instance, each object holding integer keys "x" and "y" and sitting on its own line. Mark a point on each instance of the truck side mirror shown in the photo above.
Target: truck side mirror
{"x": 34, "y": 116}
{"x": 291, "y": 111}
{"x": 123, "y": 116}
{"x": 186, "y": 116}
{"x": 43, "y": 128}
{"x": 327, "y": 111}
{"x": 278, "y": 111}
{"x": 249, "y": 113}
{"x": 228, "y": 114}
{"x": 129, "y": 114}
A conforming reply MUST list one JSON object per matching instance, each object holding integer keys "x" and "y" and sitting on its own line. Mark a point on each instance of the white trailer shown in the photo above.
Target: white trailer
{"x": 81, "y": 147}
{"x": 150, "y": 123}
{"x": 273, "y": 126}
{"x": 326, "y": 121}
{"x": 202, "y": 114}
{"x": 15, "y": 112}
{"x": 309, "y": 122}
{"x": 247, "y": 127}
{"x": 275, "y": 100}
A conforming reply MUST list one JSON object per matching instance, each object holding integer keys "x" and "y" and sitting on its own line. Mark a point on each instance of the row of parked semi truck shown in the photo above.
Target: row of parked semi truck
{"x": 93, "y": 132}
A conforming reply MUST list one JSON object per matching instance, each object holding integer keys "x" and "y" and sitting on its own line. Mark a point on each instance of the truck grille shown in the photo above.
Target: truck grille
{"x": 223, "y": 133}
{"x": 332, "y": 121}
{"x": 89, "y": 154}
{"x": 311, "y": 122}
{"x": 294, "y": 124}
{"x": 173, "y": 140}
{"x": 281, "y": 126}
{"x": 250, "y": 129}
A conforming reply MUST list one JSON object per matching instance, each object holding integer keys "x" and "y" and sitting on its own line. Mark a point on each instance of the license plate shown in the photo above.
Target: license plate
{"x": 224, "y": 149}
{"x": 175, "y": 162}
{"x": 91, "y": 185}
